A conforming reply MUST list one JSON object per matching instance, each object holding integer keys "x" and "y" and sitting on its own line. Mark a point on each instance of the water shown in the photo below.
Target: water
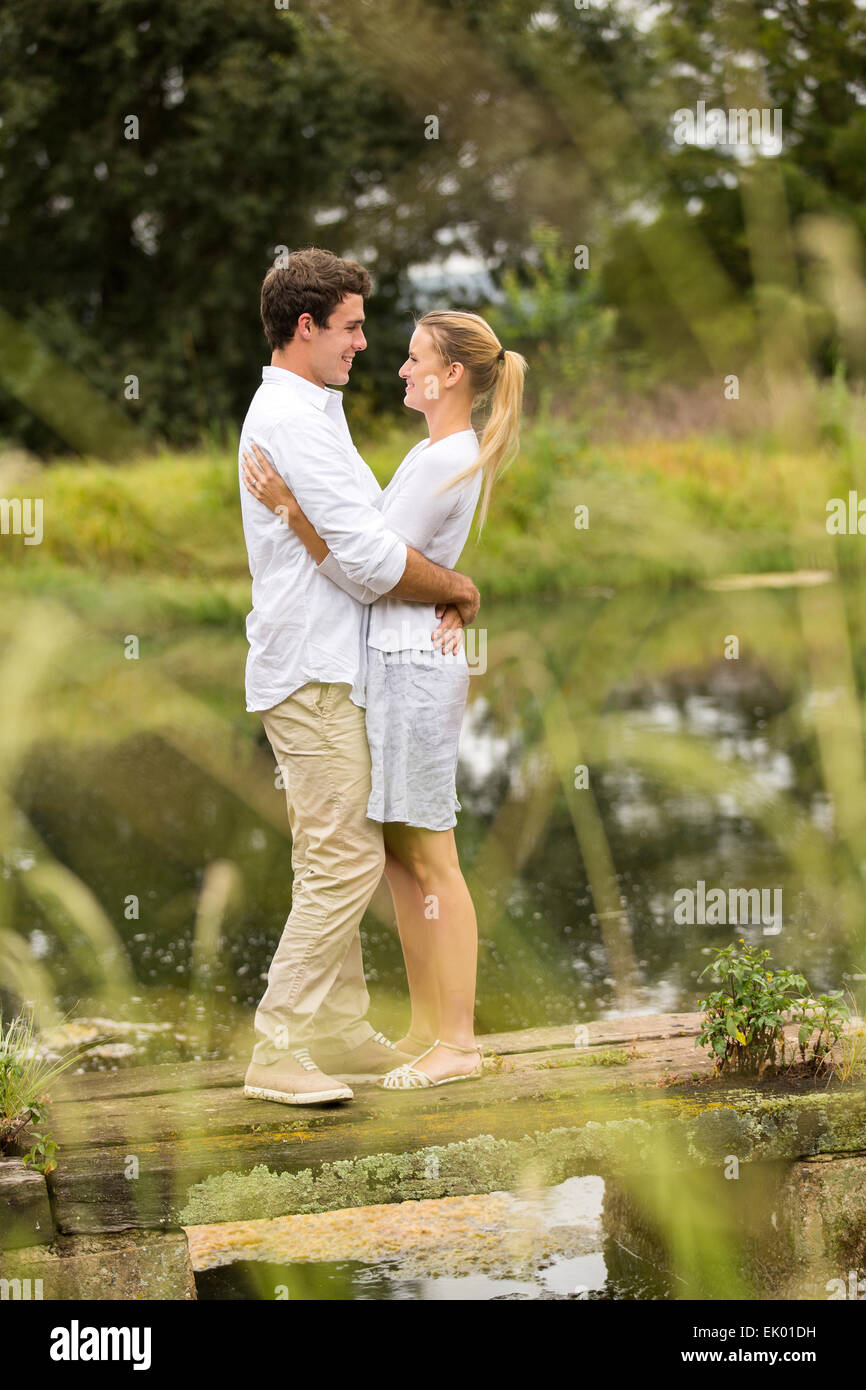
{"x": 581, "y": 1280}
{"x": 552, "y": 1245}
{"x": 699, "y": 769}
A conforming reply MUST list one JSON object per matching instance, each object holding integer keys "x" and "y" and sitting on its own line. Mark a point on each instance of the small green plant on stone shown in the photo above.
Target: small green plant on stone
{"x": 496, "y": 1064}
{"x": 743, "y": 1022}
{"x": 24, "y": 1077}
{"x": 42, "y": 1146}
{"x": 821, "y": 1023}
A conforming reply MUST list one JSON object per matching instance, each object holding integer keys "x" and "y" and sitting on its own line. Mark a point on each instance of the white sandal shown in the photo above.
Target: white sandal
{"x": 409, "y": 1077}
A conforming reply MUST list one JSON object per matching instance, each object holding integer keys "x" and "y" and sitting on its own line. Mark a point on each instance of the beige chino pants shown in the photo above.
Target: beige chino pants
{"x": 316, "y": 988}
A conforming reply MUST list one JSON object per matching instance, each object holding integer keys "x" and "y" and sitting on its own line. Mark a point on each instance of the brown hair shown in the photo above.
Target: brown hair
{"x": 312, "y": 281}
{"x": 492, "y": 371}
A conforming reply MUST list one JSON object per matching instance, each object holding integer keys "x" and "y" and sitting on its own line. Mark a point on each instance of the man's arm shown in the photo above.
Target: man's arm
{"x": 422, "y": 580}
{"x": 430, "y": 583}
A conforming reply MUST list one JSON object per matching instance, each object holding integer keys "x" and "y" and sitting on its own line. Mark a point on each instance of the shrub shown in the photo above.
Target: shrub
{"x": 744, "y": 1020}
{"x": 24, "y": 1075}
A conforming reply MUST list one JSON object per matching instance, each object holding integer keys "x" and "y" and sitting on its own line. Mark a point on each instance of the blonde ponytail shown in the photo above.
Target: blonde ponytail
{"x": 496, "y": 376}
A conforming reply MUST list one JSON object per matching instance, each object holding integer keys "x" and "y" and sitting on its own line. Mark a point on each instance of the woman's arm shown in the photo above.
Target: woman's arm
{"x": 307, "y": 534}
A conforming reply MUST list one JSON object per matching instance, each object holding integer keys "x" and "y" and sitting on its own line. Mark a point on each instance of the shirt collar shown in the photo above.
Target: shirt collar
{"x": 319, "y": 396}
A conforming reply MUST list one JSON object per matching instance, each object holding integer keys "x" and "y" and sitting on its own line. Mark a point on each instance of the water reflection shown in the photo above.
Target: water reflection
{"x": 548, "y": 1244}
{"x": 696, "y": 769}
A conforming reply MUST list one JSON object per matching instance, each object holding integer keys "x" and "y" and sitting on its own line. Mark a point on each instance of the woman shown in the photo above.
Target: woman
{"x": 416, "y": 694}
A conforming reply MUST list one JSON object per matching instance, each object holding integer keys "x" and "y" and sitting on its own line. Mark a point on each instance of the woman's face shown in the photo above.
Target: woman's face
{"x": 424, "y": 372}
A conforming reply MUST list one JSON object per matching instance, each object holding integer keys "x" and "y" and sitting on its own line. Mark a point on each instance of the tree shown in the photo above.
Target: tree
{"x": 155, "y": 157}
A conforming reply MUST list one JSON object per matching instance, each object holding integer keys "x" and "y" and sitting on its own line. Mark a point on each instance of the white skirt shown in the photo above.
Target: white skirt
{"x": 415, "y": 704}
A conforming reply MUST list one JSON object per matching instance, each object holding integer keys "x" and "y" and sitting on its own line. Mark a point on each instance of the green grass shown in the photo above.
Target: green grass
{"x": 158, "y": 542}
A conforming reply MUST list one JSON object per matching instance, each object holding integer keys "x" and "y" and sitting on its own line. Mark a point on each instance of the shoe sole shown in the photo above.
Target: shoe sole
{"x": 297, "y": 1097}
{"x": 470, "y": 1076}
{"x": 445, "y": 1081}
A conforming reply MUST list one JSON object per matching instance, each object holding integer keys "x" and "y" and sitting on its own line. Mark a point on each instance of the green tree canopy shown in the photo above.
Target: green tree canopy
{"x": 395, "y": 131}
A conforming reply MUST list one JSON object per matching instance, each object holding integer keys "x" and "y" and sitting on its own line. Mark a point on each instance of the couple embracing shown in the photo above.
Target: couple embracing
{"x": 357, "y": 670}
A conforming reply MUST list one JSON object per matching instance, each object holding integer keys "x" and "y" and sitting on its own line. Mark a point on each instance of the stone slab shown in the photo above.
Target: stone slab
{"x": 25, "y": 1211}
{"x": 133, "y": 1265}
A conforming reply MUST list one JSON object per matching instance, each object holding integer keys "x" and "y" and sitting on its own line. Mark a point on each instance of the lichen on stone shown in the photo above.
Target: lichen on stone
{"x": 757, "y": 1130}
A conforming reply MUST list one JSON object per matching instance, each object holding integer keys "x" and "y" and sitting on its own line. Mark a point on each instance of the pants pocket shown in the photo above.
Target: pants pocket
{"x": 313, "y": 695}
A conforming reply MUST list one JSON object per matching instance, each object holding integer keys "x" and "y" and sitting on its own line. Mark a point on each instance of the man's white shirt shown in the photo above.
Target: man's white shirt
{"x": 303, "y": 627}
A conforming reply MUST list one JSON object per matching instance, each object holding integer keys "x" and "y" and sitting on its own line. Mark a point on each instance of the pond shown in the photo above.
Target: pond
{"x": 585, "y": 1239}
{"x": 547, "y": 1245}
{"x": 617, "y": 750}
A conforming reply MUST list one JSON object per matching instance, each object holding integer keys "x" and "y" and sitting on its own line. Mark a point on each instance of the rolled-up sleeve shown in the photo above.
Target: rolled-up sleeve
{"x": 320, "y": 472}
{"x": 331, "y": 570}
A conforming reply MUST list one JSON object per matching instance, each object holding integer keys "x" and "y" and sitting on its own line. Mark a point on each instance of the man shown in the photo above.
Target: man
{"x": 305, "y": 675}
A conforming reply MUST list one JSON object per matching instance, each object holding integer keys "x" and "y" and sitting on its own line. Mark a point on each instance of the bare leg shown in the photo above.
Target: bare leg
{"x": 442, "y": 931}
{"x": 416, "y": 941}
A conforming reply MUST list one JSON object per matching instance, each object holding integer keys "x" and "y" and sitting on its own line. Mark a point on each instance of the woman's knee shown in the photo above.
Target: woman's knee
{"x": 431, "y": 864}
{"x": 395, "y": 870}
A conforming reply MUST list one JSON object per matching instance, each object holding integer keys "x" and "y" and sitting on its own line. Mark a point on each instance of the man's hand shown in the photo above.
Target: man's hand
{"x": 469, "y": 605}
{"x": 448, "y": 637}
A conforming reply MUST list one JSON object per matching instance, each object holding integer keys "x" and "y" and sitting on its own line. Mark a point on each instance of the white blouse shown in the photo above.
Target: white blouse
{"x": 438, "y": 526}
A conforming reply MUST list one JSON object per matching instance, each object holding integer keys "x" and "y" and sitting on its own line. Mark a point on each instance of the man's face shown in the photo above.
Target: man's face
{"x": 332, "y": 349}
